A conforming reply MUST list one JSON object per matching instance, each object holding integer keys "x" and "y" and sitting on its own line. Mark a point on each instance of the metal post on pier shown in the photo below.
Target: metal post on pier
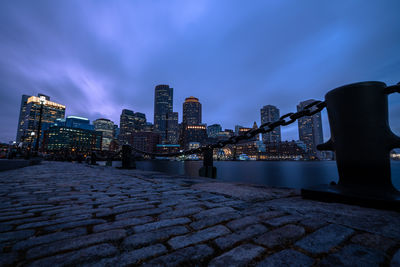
{"x": 93, "y": 158}
{"x": 362, "y": 140}
{"x": 208, "y": 170}
{"x": 127, "y": 158}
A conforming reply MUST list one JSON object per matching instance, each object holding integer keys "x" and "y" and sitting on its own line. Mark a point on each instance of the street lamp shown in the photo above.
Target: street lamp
{"x": 42, "y": 101}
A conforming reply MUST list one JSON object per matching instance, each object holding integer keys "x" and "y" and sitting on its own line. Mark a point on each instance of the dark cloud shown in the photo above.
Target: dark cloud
{"x": 98, "y": 57}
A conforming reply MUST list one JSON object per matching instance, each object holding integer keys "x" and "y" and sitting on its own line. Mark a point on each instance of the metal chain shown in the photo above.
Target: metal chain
{"x": 392, "y": 89}
{"x": 308, "y": 110}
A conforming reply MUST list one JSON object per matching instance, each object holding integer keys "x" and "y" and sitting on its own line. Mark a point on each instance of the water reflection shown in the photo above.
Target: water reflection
{"x": 292, "y": 174}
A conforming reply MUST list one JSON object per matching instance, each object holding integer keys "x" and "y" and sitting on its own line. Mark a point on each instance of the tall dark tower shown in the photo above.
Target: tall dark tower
{"x": 270, "y": 113}
{"x": 310, "y": 130}
{"x": 191, "y": 111}
{"x": 163, "y": 99}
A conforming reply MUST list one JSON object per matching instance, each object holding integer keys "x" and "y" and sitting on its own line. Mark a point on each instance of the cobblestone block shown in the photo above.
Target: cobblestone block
{"x": 241, "y": 235}
{"x": 240, "y": 256}
{"x": 373, "y": 241}
{"x": 180, "y": 212}
{"x": 139, "y": 213}
{"x": 53, "y": 222}
{"x": 15, "y": 217}
{"x": 283, "y": 220}
{"x": 281, "y": 236}
{"x": 75, "y": 257}
{"x": 287, "y": 257}
{"x": 134, "y": 257}
{"x": 325, "y": 238}
{"x": 16, "y": 235}
{"x": 39, "y": 240}
{"x": 313, "y": 223}
{"x": 5, "y": 227}
{"x": 354, "y": 255}
{"x": 160, "y": 224}
{"x": 69, "y": 225}
{"x": 197, "y": 237}
{"x": 147, "y": 238}
{"x": 396, "y": 259}
{"x": 213, "y": 220}
{"x": 213, "y": 212}
{"x": 122, "y": 223}
{"x": 189, "y": 256}
{"x": 266, "y": 215}
{"x": 74, "y": 243}
{"x": 124, "y": 209}
{"x": 242, "y": 222}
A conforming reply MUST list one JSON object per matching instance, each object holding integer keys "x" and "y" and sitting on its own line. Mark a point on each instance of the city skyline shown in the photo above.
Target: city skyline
{"x": 103, "y": 58}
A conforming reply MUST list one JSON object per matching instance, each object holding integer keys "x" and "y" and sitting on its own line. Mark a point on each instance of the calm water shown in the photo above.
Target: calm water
{"x": 293, "y": 174}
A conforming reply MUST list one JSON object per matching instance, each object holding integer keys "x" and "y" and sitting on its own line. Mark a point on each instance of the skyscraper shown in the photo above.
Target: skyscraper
{"x": 30, "y": 115}
{"x": 163, "y": 102}
{"x": 172, "y": 128}
{"x": 130, "y": 122}
{"x": 106, "y": 127}
{"x": 270, "y": 113}
{"x": 191, "y": 111}
{"x": 310, "y": 130}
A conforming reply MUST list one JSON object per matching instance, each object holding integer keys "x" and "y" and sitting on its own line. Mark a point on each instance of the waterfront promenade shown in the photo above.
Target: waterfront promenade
{"x": 73, "y": 214}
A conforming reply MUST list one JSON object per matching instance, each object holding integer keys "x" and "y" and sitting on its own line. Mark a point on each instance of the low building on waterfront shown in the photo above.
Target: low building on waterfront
{"x": 60, "y": 139}
{"x": 145, "y": 141}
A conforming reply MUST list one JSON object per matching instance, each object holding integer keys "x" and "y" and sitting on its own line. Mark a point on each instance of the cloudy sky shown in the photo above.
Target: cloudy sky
{"x": 98, "y": 57}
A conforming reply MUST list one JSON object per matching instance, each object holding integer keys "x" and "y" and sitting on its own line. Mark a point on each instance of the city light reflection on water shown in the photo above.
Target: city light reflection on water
{"x": 292, "y": 174}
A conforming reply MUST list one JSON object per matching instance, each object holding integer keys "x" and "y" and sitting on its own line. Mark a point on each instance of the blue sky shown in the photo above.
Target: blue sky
{"x": 98, "y": 57}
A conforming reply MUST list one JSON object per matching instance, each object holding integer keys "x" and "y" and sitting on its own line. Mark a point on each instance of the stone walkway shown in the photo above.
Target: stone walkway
{"x": 72, "y": 214}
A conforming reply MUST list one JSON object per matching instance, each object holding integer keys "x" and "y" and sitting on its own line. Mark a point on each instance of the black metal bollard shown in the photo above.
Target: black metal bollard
{"x": 208, "y": 170}
{"x": 93, "y": 158}
{"x": 362, "y": 140}
{"x": 127, "y": 159}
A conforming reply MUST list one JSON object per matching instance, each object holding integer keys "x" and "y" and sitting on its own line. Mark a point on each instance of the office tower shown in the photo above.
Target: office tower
{"x": 116, "y": 131}
{"x": 106, "y": 127}
{"x": 310, "y": 130}
{"x": 145, "y": 141}
{"x": 191, "y": 111}
{"x": 130, "y": 122}
{"x": 163, "y": 101}
{"x": 29, "y": 116}
{"x": 270, "y": 113}
{"x": 172, "y": 128}
{"x": 213, "y": 130}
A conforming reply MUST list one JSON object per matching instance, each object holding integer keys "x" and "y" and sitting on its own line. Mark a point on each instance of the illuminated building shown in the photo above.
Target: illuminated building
{"x": 30, "y": 114}
{"x": 270, "y": 113}
{"x": 243, "y": 130}
{"x": 213, "y": 130}
{"x": 163, "y": 103}
{"x": 67, "y": 139}
{"x": 191, "y": 111}
{"x": 172, "y": 128}
{"x": 106, "y": 127}
{"x": 130, "y": 122}
{"x": 293, "y": 150}
{"x": 310, "y": 130}
{"x": 194, "y": 133}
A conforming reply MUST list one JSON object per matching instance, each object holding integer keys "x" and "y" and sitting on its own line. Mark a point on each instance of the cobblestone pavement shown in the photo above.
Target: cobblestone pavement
{"x": 67, "y": 214}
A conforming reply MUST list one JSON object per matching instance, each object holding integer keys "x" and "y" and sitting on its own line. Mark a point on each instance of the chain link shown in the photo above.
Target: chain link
{"x": 309, "y": 110}
{"x": 392, "y": 89}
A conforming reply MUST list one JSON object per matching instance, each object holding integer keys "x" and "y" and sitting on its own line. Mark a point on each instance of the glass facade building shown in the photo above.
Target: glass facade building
{"x": 310, "y": 130}
{"x": 66, "y": 139}
{"x": 130, "y": 122}
{"x": 163, "y": 106}
{"x": 30, "y": 115}
{"x": 191, "y": 114}
{"x": 270, "y": 113}
{"x": 106, "y": 127}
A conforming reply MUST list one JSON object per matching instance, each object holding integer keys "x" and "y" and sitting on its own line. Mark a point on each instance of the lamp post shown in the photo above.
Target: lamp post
{"x": 42, "y": 100}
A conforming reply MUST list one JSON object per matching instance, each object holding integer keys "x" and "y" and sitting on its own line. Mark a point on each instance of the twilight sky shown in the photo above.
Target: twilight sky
{"x": 98, "y": 57}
